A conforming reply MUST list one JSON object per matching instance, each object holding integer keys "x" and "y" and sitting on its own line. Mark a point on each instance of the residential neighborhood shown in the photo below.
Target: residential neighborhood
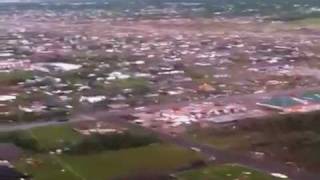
{"x": 154, "y": 89}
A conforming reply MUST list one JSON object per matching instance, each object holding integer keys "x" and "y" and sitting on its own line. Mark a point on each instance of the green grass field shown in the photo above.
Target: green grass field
{"x": 153, "y": 158}
{"x": 224, "y": 172}
{"x": 224, "y": 142}
{"x": 108, "y": 164}
{"x": 298, "y": 133}
{"x": 42, "y": 139}
{"x": 55, "y": 136}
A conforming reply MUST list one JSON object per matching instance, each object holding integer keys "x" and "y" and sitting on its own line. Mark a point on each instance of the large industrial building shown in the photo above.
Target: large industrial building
{"x": 308, "y": 101}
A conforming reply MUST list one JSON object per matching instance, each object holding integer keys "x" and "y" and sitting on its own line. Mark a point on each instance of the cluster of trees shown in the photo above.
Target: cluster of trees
{"x": 89, "y": 144}
{"x": 99, "y": 142}
{"x": 21, "y": 139}
{"x": 292, "y": 137}
{"x": 285, "y": 123}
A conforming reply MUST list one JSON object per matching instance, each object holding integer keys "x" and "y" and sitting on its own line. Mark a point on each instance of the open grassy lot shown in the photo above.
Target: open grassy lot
{"x": 55, "y": 136}
{"x": 225, "y": 141}
{"x": 50, "y": 138}
{"x": 45, "y": 166}
{"x": 105, "y": 156}
{"x": 224, "y": 172}
{"x": 42, "y": 138}
{"x": 108, "y": 164}
{"x": 289, "y": 138}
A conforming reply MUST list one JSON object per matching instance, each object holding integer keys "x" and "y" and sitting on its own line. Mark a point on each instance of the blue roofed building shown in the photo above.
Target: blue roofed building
{"x": 288, "y": 104}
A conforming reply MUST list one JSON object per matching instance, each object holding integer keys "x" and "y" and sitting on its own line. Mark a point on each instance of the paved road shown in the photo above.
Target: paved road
{"x": 25, "y": 126}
